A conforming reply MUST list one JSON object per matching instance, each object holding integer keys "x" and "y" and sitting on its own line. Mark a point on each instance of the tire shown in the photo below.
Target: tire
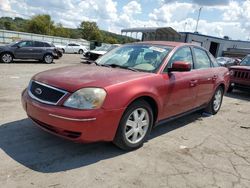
{"x": 80, "y": 51}
{"x": 134, "y": 129}
{"x": 215, "y": 103}
{"x": 63, "y": 51}
{"x": 6, "y": 57}
{"x": 230, "y": 89}
{"x": 48, "y": 58}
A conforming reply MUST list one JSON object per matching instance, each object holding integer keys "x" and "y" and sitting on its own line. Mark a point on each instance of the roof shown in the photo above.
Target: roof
{"x": 208, "y": 36}
{"x": 160, "y": 30}
{"x": 165, "y": 43}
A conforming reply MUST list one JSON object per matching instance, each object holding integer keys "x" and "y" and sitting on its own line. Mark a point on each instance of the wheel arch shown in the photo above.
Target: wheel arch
{"x": 9, "y": 52}
{"x": 151, "y": 101}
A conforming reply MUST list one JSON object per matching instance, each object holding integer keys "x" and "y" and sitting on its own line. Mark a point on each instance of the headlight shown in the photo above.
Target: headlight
{"x": 231, "y": 72}
{"x": 86, "y": 98}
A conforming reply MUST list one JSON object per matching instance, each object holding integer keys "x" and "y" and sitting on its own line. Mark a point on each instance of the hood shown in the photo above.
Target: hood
{"x": 72, "y": 78}
{"x": 240, "y": 67}
{"x": 98, "y": 52}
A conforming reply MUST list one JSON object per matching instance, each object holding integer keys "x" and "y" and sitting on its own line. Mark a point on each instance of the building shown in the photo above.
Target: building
{"x": 217, "y": 46}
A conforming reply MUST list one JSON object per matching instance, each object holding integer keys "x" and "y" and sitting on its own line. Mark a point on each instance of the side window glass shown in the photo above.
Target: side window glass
{"x": 26, "y": 44}
{"x": 47, "y": 45}
{"x": 183, "y": 54}
{"x": 214, "y": 61}
{"x": 38, "y": 44}
{"x": 202, "y": 59}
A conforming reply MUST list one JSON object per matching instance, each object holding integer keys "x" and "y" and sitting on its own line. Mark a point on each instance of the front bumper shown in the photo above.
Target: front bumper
{"x": 77, "y": 125}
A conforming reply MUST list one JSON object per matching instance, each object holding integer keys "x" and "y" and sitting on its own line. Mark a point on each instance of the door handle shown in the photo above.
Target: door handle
{"x": 193, "y": 83}
{"x": 214, "y": 77}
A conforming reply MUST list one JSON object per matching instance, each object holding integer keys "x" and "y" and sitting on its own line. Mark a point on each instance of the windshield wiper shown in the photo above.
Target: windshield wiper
{"x": 119, "y": 66}
{"x": 90, "y": 62}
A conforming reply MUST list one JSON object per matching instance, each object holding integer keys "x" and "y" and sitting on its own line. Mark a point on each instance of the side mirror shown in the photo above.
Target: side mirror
{"x": 18, "y": 46}
{"x": 180, "y": 66}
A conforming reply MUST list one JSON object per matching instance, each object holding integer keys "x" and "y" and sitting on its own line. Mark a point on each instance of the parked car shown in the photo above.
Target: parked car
{"x": 240, "y": 75}
{"x": 98, "y": 52}
{"x": 227, "y": 61}
{"x": 126, "y": 92}
{"x": 29, "y": 49}
{"x": 72, "y": 48}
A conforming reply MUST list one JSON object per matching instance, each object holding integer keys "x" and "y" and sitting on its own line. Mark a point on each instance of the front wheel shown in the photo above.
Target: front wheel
{"x": 214, "y": 105}
{"x": 135, "y": 126}
{"x": 48, "y": 59}
{"x": 80, "y": 51}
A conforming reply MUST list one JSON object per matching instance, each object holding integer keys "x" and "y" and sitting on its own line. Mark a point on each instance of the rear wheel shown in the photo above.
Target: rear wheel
{"x": 80, "y": 51}
{"x": 48, "y": 59}
{"x": 6, "y": 58}
{"x": 135, "y": 126}
{"x": 215, "y": 103}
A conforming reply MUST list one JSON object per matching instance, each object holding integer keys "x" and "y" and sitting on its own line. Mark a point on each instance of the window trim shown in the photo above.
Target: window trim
{"x": 165, "y": 69}
{"x": 195, "y": 62}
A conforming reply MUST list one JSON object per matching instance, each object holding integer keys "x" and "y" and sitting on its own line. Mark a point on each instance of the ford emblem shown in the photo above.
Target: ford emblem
{"x": 38, "y": 91}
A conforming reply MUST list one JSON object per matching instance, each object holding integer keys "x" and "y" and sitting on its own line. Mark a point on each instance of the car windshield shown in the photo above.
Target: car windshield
{"x": 141, "y": 57}
{"x": 13, "y": 43}
{"x": 245, "y": 61}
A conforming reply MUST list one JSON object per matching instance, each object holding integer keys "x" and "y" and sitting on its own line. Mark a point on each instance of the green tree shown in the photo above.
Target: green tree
{"x": 90, "y": 31}
{"x": 41, "y": 24}
{"x": 59, "y": 30}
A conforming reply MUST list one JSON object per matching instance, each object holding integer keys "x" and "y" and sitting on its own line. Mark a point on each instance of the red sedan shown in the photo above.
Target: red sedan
{"x": 126, "y": 92}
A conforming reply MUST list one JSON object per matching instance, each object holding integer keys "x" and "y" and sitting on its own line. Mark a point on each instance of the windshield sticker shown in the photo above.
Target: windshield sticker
{"x": 157, "y": 49}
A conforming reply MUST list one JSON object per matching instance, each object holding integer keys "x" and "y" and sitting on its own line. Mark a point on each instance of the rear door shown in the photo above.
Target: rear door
{"x": 181, "y": 86}
{"x": 206, "y": 75}
{"x": 38, "y": 50}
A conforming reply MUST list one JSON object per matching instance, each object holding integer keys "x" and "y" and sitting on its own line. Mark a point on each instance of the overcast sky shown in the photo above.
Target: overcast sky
{"x": 218, "y": 17}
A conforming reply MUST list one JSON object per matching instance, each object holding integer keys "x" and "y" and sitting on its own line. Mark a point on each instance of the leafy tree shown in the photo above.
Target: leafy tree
{"x": 90, "y": 31}
{"x": 59, "y": 30}
{"x": 41, "y": 24}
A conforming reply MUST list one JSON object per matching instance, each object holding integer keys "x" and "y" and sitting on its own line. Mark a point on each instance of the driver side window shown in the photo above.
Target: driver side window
{"x": 183, "y": 54}
{"x": 25, "y": 44}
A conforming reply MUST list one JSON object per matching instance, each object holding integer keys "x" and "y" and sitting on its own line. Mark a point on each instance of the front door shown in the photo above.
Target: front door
{"x": 24, "y": 50}
{"x": 181, "y": 86}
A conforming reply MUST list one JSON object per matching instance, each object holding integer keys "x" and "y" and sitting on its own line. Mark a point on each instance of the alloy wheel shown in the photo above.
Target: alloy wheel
{"x": 217, "y": 100}
{"x": 48, "y": 59}
{"x": 137, "y": 125}
{"x": 7, "y": 58}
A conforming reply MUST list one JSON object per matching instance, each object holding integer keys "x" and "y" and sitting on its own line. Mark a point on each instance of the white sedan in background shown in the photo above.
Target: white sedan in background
{"x": 72, "y": 48}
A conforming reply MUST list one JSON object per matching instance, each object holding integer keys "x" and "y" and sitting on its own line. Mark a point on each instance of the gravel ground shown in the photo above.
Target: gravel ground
{"x": 193, "y": 151}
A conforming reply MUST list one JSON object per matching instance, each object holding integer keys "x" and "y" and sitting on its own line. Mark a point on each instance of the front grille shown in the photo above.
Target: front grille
{"x": 241, "y": 74}
{"x": 93, "y": 56}
{"x": 45, "y": 93}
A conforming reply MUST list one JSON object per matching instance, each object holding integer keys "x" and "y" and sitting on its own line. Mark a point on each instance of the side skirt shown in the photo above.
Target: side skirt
{"x": 179, "y": 115}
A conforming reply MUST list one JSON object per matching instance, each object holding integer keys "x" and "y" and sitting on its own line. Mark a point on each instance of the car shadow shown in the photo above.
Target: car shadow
{"x": 43, "y": 152}
{"x": 238, "y": 94}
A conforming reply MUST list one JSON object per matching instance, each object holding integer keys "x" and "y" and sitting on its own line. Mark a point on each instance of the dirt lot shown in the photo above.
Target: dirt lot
{"x": 194, "y": 151}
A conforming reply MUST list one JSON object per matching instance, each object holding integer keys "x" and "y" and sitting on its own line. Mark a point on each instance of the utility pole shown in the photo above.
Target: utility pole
{"x": 198, "y": 19}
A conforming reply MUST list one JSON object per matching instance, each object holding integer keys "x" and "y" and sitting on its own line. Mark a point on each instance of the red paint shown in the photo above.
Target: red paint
{"x": 174, "y": 93}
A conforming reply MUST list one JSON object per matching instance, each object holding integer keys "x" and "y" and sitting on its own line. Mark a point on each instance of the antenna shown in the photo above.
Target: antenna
{"x": 198, "y": 19}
